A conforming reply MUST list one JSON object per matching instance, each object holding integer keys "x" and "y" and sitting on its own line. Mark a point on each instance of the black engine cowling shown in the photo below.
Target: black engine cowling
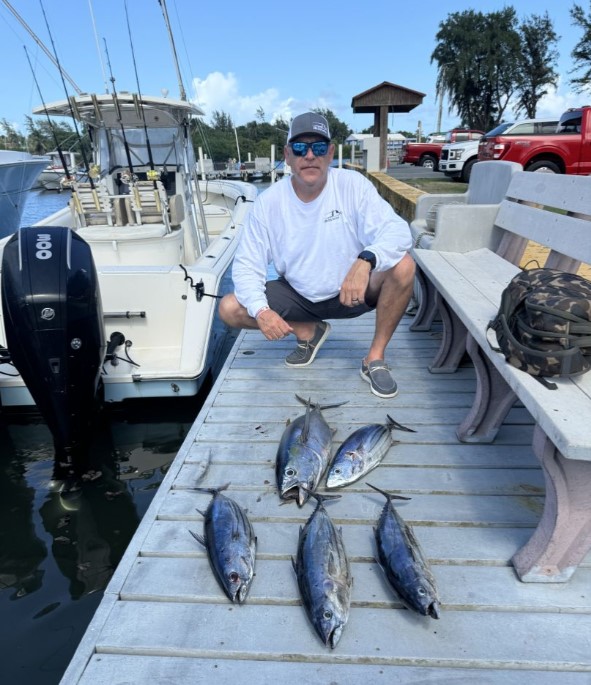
{"x": 54, "y": 327}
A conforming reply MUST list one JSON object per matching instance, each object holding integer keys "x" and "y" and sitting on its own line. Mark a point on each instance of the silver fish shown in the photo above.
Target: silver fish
{"x": 361, "y": 452}
{"x": 230, "y": 543}
{"x": 403, "y": 562}
{"x": 324, "y": 575}
{"x": 303, "y": 453}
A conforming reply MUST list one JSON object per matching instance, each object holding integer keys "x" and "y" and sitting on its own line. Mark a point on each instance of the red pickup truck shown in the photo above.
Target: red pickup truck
{"x": 427, "y": 154}
{"x": 567, "y": 150}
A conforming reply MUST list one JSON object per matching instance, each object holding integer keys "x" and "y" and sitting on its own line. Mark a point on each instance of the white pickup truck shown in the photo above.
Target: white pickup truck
{"x": 457, "y": 159}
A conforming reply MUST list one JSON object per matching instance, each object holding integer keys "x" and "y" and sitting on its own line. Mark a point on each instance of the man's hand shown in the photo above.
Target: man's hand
{"x": 355, "y": 284}
{"x": 273, "y": 326}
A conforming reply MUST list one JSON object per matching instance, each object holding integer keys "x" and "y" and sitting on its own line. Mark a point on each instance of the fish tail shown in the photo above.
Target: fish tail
{"x": 320, "y": 498}
{"x": 214, "y": 491}
{"x": 389, "y": 496}
{"x": 320, "y": 406}
{"x": 398, "y": 426}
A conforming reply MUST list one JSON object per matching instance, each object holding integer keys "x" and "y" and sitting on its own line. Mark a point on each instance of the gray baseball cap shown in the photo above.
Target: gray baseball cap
{"x": 310, "y": 123}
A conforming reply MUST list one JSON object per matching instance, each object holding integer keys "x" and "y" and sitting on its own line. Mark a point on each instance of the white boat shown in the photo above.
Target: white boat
{"x": 18, "y": 173}
{"x": 55, "y": 177}
{"x": 116, "y": 293}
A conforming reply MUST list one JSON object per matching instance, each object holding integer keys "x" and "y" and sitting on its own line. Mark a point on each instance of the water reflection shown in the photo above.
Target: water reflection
{"x": 62, "y": 534}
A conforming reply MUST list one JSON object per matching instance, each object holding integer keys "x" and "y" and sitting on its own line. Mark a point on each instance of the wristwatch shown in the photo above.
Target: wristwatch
{"x": 368, "y": 256}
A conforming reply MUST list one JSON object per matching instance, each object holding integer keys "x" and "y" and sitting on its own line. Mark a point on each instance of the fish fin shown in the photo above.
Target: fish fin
{"x": 295, "y": 565}
{"x": 200, "y": 539}
{"x": 387, "y": 495}
{"x": 398, "y": 426}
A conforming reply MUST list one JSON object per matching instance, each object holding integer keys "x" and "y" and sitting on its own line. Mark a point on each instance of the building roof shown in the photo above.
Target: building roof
{"x": 396, "y": 98}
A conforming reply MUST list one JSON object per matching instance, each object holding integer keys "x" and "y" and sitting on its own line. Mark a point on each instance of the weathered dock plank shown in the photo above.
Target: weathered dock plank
{"x": 164, "y": 618}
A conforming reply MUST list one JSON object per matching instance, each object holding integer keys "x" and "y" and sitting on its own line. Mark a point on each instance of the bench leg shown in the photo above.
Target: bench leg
{"x": 492, "y": 402}
{"x": 453, "y": 340}
{"x": 563, "y": 536}
{"x": 427, "y": 309}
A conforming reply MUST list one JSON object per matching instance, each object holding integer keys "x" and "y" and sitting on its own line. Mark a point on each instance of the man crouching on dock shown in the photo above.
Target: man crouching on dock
{"x": 340, "y": 251}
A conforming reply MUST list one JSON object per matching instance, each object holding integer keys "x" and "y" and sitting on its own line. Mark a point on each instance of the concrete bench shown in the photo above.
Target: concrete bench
{"x": 458, "y": 222}
{"x": 468, "y": 285}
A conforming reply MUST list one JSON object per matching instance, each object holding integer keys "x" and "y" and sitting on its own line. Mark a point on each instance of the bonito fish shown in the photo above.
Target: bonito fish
{"x": 230, "y": 543}
{"x": 403, "y": 562}
{"x": 323, "y": 574}
{"x": 361, "y": 452}
{"x": 303, "y": 453}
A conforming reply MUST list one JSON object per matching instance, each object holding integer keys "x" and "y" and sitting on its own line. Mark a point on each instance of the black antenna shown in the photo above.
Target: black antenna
{"x": 82, "y": 152}
{"x": 51, "y": 126}
{"x": 118, "y": 113}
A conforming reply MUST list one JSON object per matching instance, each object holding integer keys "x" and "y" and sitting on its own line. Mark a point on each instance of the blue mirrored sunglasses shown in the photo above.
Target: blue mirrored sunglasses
{"x": 319, "y": 148}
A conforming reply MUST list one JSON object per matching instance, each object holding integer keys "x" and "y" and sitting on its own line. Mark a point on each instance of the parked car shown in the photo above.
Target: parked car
{"x": 516, "y": 142}
{"x": 458, "y": 159}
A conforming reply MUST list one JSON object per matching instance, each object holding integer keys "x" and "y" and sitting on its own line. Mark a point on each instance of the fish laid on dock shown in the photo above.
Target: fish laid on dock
{"x": 230, "y": 543}
{"x": 303, "y": 453}
{"x": 403, "y": 562}
{"x": 361, "y": 452}
{"x": 323, "y": 573}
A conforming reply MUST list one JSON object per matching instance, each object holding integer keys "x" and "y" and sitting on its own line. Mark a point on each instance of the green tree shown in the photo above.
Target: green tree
{"x": 10, "y": 138}
{"x": 537, "y": 66}
{"x": 478, "y": 61}
{"x": 338, "y": 129}
{"x": 581, "y": 53}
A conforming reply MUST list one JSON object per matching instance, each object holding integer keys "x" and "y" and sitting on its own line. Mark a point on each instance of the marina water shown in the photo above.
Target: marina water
{"x": 58, "y": 549}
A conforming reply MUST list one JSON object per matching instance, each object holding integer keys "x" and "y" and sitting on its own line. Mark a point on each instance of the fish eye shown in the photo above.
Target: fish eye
{"x": 338, "y": 471}
{"x": 290, "y": 472}
{"x": 233, "y": 577}
{"x": 327, "y": 614}
{"x": 421, "y": 591}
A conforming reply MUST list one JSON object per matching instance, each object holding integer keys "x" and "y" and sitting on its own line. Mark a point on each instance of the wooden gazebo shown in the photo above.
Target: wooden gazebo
{"x": 381, "y": 100}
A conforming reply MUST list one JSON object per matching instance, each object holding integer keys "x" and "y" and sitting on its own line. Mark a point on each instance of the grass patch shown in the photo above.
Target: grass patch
{"x": 436, "y": 185}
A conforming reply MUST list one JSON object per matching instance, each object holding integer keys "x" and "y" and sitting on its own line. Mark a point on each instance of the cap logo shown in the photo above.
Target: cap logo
{"x": 319, "y": 126}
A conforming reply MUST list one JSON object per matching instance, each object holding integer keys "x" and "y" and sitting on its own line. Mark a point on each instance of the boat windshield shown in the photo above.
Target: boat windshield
{"x": 164, "y": 143}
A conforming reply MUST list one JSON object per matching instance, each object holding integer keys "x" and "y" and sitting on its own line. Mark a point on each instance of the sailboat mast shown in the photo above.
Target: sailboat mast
{"x": 174, "y": 53}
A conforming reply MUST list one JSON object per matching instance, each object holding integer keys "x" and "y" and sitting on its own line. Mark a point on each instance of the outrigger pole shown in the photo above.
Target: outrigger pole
{"x": 42, "y": 46}
{"x": 171, "y": 38}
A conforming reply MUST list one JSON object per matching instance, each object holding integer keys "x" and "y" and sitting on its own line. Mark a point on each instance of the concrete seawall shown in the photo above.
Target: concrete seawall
{"x": 404, "y": 198}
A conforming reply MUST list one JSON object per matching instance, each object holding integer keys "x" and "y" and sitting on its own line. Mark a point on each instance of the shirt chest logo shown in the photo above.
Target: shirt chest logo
{"x": 333, "y": 215}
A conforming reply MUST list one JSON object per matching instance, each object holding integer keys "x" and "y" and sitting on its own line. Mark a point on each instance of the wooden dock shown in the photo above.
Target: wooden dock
{"x": 163, "y": 618}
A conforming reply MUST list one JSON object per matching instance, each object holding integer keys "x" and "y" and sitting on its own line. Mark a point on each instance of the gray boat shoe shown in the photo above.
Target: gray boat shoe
{"x": 306, "y": 351}
{"x": 377, "y": 374}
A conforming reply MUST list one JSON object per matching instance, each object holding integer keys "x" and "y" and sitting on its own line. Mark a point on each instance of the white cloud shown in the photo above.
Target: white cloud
{"x": 221, "y": 92}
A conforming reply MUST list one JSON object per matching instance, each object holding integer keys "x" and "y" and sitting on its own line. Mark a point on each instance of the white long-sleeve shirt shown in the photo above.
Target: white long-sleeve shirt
{"x": 313, "y": 244}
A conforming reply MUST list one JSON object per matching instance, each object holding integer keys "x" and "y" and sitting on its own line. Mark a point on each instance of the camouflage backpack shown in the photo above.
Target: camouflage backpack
{"x": 543, "y": 325}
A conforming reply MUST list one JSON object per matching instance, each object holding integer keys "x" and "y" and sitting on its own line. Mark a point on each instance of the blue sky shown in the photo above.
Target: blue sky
{"x": 238, "y": 56}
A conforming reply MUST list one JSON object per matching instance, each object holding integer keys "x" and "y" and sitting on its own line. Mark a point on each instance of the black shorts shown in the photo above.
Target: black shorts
{"x": 292, "y": 306}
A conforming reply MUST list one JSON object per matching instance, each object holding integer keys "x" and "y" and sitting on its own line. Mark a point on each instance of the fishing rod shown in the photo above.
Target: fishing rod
{"x": 49, "y": 122}
{"x": 118, "y": 113}
{"x": 82, "y": 151}
{"x": 153, "y": 175}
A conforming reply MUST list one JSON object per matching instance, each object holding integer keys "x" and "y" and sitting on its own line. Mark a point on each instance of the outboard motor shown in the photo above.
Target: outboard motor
{"x": 54, "y": 328}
